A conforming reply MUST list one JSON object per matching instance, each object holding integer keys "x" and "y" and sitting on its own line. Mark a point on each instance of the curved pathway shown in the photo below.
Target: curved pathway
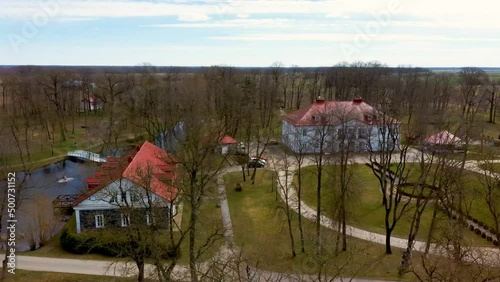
{"x": 489, "y": 255}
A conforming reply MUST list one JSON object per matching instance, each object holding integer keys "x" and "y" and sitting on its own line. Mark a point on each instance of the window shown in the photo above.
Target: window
{"x": 351, "y": 133}
{"x": 124, "y": 196}
{"x": 99, "y": 221}
{"x": 125, "y": 220}
{"x": 304, "y": 132}
{"x": 134, "y": 197}
{"x": 363, "y": 133}
{"x": 113, "y": 198}
{"x": 340, "y": 134}
{"x": 149, "y": 219}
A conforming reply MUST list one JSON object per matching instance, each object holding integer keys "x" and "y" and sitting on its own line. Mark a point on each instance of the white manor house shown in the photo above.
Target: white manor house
{"x": 354, "y": 124}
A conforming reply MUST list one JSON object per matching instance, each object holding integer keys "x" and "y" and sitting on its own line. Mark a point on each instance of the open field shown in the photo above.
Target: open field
{"x": 365, "y": 203}
{"x": 260, "y": 230}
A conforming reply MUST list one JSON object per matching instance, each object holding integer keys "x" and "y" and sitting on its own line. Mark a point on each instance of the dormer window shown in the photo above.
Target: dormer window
{"x": 317, "y": 118}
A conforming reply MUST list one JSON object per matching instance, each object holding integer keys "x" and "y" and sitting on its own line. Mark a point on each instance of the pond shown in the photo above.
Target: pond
{"x": 41, "y": 187}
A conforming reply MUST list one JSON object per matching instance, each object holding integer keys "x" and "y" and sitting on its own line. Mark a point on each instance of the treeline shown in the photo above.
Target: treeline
{"x": 48, "y": 102}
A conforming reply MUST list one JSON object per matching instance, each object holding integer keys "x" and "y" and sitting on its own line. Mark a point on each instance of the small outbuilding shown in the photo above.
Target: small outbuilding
{"x": 227, "y": 144}
{"x": 442, "y": 141}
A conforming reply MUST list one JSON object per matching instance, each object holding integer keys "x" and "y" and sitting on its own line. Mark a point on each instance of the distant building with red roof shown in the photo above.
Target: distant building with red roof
{"x": 330, "y": 123}
{"x": 227, "y": 143}
{"x": 89, "y": 104}
{"x": 442, "y": 140}
{"x": 141, "y": 179}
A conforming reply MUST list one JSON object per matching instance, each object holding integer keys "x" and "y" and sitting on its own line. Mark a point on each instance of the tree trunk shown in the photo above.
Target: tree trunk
{"x": 318, "y": 213}
{"x": 192, "y": 237}
{"x": 140, "y": 275}
{"x": 388, "y": 250}
{"x": 4, "y": 266}
{"x": 299, "y": 195}
{"x": 61, "y": 128}
{"x": 243, "y": 172}
{"x": 388, "y": 232}
{"x": 289, "y": 219}
{"x": 431, "y": 229}
{"x": 492, "y": 106}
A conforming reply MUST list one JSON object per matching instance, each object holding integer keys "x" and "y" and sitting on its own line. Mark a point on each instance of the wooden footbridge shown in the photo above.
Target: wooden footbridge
{"x": 87, "y": 156}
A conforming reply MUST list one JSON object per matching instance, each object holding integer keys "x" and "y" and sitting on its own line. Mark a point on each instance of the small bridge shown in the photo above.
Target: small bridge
{"x": 87, "y": 156}
{"x": 64, "y": 203}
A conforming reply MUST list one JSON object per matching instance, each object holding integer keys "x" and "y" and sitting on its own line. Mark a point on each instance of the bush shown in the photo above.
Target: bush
{"x": 471, "y": 227}
{"x": 495, "y": 242}
{"x": 238, "y": 187}
{"x": 483, "y": 235}
{"x": 477, "y": 231}
{"x": 76, "y": 243}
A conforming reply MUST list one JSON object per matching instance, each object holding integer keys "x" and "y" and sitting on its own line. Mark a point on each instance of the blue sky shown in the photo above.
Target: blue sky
{"x": 249, "y": 32}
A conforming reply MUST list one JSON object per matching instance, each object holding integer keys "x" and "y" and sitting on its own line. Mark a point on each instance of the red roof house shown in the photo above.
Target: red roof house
{"x": 300, "y": 129}
{"x": 146, "y": 170}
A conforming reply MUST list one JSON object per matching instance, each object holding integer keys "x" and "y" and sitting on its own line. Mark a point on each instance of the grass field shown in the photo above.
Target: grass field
{"x": 260, "y": 229}
{"x": 365, "y": 203}
{"x": 86, "y": 136}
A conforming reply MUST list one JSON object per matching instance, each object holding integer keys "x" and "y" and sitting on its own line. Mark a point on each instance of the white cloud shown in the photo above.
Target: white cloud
{"x": 346, "y": 37}
{"x": 193, "y": 17}
{"x": 240, "y": 23}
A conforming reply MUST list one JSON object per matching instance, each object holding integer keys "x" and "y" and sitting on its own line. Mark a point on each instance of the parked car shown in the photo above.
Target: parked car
{"x": 257, "y": 162}
{"x": 272, "y": 142}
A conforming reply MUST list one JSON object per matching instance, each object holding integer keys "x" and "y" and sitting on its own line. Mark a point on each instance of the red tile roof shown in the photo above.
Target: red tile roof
{"x": 148, "y": 165}
{"x": 334, "y": 112}
{"x": 442, "y": 138}
{"x": 228, "y": 140}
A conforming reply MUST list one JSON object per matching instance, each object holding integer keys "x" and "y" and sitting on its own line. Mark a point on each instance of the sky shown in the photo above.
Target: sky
{"x": 307, "y": 33}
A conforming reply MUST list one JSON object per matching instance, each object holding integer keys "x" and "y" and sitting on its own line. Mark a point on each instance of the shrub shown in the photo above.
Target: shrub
{"x": 471, "y": 227}
{"x": 477, "y": 231}
{"x": 238, "y": 187}
{"x": 483, "y": 235}
{"x": 76, "y": 243}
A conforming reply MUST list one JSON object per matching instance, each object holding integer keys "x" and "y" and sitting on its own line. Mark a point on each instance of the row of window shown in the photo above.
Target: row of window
{"x": 125, "y": 220}
{"x": 123, "y": 197}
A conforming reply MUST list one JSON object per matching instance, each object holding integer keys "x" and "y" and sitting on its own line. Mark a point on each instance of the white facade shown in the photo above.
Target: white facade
{"x": 360, "y": 137}
{"x": 117, "y": 195}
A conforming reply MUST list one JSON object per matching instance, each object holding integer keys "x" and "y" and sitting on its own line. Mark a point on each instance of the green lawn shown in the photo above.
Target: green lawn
{"x": 43, "y": 152}
{"x": 365, "y": 203}
{"x": 261, "y": 231}
{"x": 493, "y": 167}
{"x": 474, "y": 186}
{"x": 209, "y": 220}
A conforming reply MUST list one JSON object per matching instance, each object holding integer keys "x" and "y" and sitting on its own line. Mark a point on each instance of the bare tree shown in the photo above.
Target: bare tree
{"x": 388, "y": 161}
{"x": 471, "y": 80}
{"x": 52, "y": 88}
{"x": 282, "y": 165}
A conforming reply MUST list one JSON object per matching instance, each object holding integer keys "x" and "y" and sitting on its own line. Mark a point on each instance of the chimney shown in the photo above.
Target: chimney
{"x": 137, "y": 147}
{"x": 320, "y": 100}
{"x": 129, "y": 159}
{"x": 357, "y": 100}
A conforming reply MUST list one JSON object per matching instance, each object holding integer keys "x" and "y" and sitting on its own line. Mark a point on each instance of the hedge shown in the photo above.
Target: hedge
{"x": 95, "y": 242}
